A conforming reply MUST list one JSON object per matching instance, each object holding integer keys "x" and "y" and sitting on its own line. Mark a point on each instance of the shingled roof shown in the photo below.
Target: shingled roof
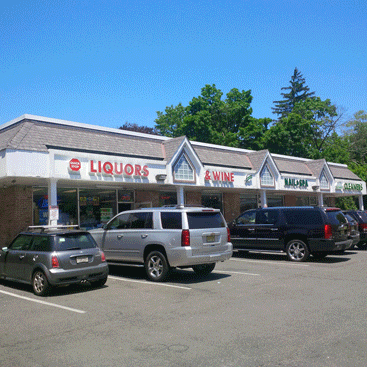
{"x": 289, "y": 165}
{"x": 39, "y": 136}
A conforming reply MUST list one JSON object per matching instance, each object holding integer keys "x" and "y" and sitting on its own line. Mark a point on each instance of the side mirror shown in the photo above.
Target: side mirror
{"x": 5, "y": 249}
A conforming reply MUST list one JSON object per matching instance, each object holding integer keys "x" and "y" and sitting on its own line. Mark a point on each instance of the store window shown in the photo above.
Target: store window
{"x": 66, "y": 201}
{"x": 266, "y": 177}
{"x": 167, "y": 198}
{"x": 275, "y": 200}
{"x": 125, "y": 200}
{"x": 324, "y": 183}
{"x": 307, "y": 201}
{"x": 96, "y": 207}
{"x": 248, "y": 201}
{"x": 183, "y": 170}
{"x": 212, "y": 200}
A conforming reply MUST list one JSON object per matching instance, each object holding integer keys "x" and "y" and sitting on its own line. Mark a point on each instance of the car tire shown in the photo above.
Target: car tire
{"x": 156, "y": 266}
{"x": 297, "y": 250}
{"x": 203, "y": 269}
{"x": 40, "y": 283}
{"x": 99, "y": 283}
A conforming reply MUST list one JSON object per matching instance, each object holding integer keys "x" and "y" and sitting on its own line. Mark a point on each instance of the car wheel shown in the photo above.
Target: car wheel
{"x": 40, "y": 283}
{"x": 204, "y": 269}
{"x": 297, "y": 250}
{"x": 99, "y": 283}
{"x": 156, "y": 266}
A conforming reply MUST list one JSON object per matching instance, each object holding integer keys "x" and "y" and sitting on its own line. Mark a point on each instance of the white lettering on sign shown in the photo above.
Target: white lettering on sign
{"x": 118, "y": 168}
{"x": 219, "y": 176}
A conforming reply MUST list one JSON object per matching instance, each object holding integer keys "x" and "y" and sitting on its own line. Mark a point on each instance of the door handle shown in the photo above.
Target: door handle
{"x": 21, "y": 257}
{"x": 144, "y": 236}
{"x": 119, "y": 236}
{"x": 251, "y": 229}
{"x": 274, "y": 229}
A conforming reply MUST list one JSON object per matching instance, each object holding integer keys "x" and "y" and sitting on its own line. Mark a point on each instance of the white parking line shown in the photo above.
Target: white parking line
{"x": 150, "y": 283}
{"x": 235, "y": 272}
{"x": 42, "y": 302}
{"x": 270, "y": 262}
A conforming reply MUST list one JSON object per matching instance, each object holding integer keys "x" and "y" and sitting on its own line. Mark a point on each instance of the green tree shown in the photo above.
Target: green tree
{"x": 208, "y": 118}
{"x": 305, "y": 131}
{"x": 139, "y": 128}
{"x": 297, "y": 91}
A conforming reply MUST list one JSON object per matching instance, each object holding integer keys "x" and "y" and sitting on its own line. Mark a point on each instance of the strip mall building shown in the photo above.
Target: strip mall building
{"x": 72, "y": 173}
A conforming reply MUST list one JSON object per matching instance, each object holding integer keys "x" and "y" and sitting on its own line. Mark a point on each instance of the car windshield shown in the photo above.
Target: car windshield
{"x": 74, "y": 241}
{"x": 205, "y": 220}
{"x": 336, "y": 217}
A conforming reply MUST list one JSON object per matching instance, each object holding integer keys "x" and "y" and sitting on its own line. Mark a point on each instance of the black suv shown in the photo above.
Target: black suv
{"x": 361, "y": 217}
{"x": 298, "y": 231}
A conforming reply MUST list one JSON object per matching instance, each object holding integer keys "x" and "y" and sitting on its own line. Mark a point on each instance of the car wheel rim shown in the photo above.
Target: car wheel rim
{"x": 297, "y": 251}
{"x": 155, "y": 266}
{"x": 39, "y": 282}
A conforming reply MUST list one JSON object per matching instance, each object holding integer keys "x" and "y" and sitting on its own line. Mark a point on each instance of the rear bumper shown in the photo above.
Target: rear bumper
{"x": 322, "y": 245}
{"x": 186, "y": 256}
{"x": 63, "y": 277}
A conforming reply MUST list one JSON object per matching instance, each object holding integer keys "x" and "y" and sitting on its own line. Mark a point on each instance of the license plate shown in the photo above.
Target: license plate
{"x": 82, "y": 259}
{"x": 210, "y": 238}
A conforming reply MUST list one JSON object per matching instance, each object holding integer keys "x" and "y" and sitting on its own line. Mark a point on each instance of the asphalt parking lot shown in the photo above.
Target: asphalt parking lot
{"x": 256, "y": 309}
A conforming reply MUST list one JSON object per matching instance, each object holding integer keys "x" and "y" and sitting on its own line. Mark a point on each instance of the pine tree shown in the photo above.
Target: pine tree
{"x": 298, "y": 91}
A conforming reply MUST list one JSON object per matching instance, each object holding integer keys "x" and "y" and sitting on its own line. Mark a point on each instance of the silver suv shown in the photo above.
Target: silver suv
{"x": 168, "y": 237}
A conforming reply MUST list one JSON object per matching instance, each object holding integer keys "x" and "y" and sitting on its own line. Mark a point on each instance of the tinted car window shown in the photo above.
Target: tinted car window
{"x": 22, "y": 242}
{"x": 363, "y": 216}
{"x": 41, "y": 243}
{"x": 267, "y": 217}
{"x": 141, "y": 220}
{"x": 74, "y": 241}
{"x": 246, "y": 218}
{"x": 120, "y": 222}
{"x": 205, "y": 220}
{"x": 336, "y": 217}
{"x": 171, "y": 220}
{"x": 302, "y": 217}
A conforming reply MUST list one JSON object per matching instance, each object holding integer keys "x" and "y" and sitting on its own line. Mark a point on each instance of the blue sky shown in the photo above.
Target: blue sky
{"x": 110, "y": 62}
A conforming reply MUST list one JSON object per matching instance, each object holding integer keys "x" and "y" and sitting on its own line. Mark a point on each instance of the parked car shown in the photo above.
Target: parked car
{"x": 353, "y": 229}
{"x": 361, "y": 217}
{"x": 298, "y": 231}
{"x": 164, "y": 238}
{"x": 47, "y": 256}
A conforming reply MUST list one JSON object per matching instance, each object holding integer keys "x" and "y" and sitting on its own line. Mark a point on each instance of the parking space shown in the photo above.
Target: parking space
{"x": 254, "y": 309}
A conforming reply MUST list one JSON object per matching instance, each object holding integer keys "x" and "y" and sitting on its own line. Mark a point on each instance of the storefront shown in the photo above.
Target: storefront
{"x": 54, "y": 171}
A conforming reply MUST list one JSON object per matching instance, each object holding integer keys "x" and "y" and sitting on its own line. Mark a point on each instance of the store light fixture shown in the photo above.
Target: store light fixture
{"x": 160, "y": 177}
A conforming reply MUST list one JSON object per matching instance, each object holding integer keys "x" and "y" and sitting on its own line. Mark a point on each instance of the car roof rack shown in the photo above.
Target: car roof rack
{"x": 57, "y": 226}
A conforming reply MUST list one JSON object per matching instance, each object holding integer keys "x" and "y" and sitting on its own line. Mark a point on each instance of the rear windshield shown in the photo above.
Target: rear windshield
{"x": 74, "y": 241}
{"x": 205, "y": 220}
{"x": 303, "y": 217}
{"x": 336, "y": 217}
{"x": 171, "y": 220}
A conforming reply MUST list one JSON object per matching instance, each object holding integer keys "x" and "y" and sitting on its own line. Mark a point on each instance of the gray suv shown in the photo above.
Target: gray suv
{"x": 167, "y": 237}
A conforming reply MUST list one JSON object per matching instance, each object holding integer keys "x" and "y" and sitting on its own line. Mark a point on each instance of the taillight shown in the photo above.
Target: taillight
{"x": 103, "y": 256}
{"x": 228, "y": 235}
{"x": 363, "y": 227}
{"x": 328, "y": 231}
{"x": 55, "y": 261}
{"x": 185, "y": 237}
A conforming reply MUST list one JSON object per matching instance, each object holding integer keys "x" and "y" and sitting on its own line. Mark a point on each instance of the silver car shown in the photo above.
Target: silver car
{"x": 164, "y": 238}
{"x": 48, "y": 257}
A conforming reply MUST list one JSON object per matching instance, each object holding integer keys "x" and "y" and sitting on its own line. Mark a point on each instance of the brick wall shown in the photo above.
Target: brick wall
{"x": 193, "y": 198}
{"x": 147, "y": 196}
{"x": 15, "y": 212}
{"x": 231, "y": 206}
